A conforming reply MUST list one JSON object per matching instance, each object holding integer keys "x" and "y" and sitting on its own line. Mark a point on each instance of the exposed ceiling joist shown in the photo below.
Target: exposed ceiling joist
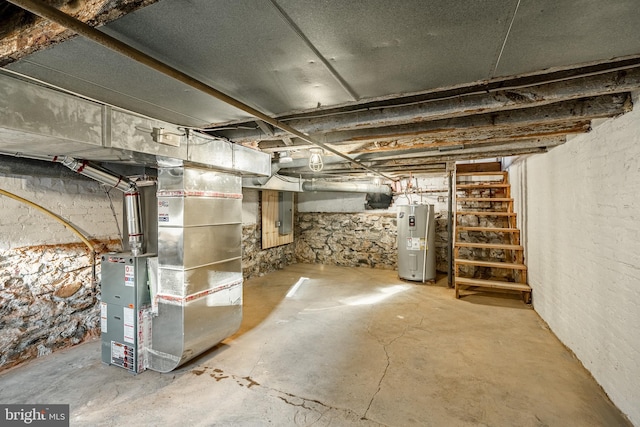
{"x": 504, "y": 100}
{"x": 584, "y": 109}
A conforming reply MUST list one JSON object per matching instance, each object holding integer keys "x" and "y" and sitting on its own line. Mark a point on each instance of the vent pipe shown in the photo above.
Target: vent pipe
{"x": 131, "y": 197}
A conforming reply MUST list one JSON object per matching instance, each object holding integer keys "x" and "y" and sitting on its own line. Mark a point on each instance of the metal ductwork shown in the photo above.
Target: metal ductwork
{"x": 346, "y": 187}
{"x": 199, "y": 295}
{"x": 195, "y": 297}
{"x": 38, "y": 122}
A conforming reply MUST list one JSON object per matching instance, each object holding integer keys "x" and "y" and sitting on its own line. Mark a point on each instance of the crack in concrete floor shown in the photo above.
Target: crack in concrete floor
{"x": 291, "y": 399}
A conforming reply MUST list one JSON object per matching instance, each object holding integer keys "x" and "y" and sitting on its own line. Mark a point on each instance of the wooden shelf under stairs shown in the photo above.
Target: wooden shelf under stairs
{"x": 486, "y": 195}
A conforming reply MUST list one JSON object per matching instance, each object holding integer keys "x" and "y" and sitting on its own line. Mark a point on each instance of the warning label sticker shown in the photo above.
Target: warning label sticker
{"x": 415, "y": 244}
{"x": 122, "y": 355}
{"x": 103, "y": 317}
{"x": 129, "y": 275}
{"x": 129, "y": 323}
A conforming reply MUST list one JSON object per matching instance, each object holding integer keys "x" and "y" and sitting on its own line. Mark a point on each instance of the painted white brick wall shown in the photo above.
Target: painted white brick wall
{"x": 579, "y": 211}
{"x": 82, "y": 203}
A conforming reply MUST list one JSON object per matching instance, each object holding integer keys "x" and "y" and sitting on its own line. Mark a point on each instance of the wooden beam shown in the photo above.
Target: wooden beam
{"x": 468, "y": 105}
{"x": 471, "y": 136}
{"x": 502, "y": 100}
{"x": 586, "y": 109}
{"x": 453, "y": 137}
{"x": 22, "y": 36}
{"x": 562, "y": 112}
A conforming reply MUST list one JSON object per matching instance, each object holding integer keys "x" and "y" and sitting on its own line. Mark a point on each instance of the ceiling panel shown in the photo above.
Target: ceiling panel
{"x": 551, "y": 33}
{"x": 86, "y": 68}
{"x": 381, "y": 47}
{"x": 243, "y": 48}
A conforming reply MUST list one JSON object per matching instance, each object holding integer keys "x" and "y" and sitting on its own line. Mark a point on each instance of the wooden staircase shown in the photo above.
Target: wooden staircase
{"x": 487, "y": 250}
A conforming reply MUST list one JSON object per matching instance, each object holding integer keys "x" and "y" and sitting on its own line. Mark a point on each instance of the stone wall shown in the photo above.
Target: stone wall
{"x": 48, "y": 299}
{"x": 257, "y": 261}
{"x": 358, "y": 239}
{"x": 500, "y": 255}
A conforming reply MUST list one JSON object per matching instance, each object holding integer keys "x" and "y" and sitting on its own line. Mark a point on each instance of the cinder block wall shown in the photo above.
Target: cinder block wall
{"x": 579, "y": 211}
{"x": 47, "y": 298}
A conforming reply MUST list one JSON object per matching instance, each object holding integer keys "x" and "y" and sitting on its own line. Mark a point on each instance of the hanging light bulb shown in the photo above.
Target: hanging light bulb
{"x": 315, "y": 160}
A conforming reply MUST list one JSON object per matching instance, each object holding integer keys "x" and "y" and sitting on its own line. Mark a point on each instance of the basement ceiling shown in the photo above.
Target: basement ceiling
{"x": 399, "y": 86}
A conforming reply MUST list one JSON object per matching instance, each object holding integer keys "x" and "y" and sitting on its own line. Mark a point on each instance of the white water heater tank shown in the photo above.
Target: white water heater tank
{"x": 416, "y": 242}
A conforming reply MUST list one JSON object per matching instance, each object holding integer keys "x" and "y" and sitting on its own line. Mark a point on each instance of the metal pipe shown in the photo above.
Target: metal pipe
{"x": 84, "y": 168}
{"x": 51, "y": 13}
{"x": 131, "y": 198}
{"x": 134, "y": 222}
{"x": 346, "y": 187}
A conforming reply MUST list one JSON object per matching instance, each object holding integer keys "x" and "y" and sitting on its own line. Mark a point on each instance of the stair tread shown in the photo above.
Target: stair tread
{"x": 485, "y": 199}
{"x": 492, "y": 284}
{"x": 489, "y": 245}
{"x": 485, "y": 213}
{"x": 489, "y": 229}
{"x": 483, "y": 185}
{"x": 491, "y": 264}
{"x": 483, "y": 173}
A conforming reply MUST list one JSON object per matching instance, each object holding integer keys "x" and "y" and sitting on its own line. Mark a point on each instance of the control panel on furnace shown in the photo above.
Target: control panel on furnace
{"x": 412, "y": 221}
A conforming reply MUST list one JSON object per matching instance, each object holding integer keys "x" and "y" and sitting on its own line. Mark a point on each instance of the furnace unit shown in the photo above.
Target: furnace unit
{"x": 416, "y": 248}
{"x": 125, "y": 315}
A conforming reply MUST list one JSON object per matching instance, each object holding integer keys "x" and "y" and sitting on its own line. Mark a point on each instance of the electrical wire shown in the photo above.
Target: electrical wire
{"x": 115, "y": 216}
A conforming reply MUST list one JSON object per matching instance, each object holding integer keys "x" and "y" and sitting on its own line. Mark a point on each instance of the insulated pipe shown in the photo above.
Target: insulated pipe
{"x": 51, "y": 13}
{"x": 346, "y": 187}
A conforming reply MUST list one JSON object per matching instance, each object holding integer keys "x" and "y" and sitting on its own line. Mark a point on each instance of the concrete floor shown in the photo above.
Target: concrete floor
{"x": 352, "y": 346}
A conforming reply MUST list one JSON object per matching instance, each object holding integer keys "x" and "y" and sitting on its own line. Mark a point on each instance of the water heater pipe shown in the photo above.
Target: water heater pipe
{"x": 426, "y": 245}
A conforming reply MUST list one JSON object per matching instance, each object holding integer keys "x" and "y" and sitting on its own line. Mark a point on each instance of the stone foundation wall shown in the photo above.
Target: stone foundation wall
{"x": 258, "y": 262}
{"x": 357, "y": 239}
{"x": 500, "y": 255}
{"x": 48, "y": 299}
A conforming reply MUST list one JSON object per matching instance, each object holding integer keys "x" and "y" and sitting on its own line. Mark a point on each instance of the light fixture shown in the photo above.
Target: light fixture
{"x": 315, "y": 159}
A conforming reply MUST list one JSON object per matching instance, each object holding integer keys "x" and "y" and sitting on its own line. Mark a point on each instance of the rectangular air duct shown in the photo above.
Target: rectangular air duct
{"x": 199, "y": 295}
